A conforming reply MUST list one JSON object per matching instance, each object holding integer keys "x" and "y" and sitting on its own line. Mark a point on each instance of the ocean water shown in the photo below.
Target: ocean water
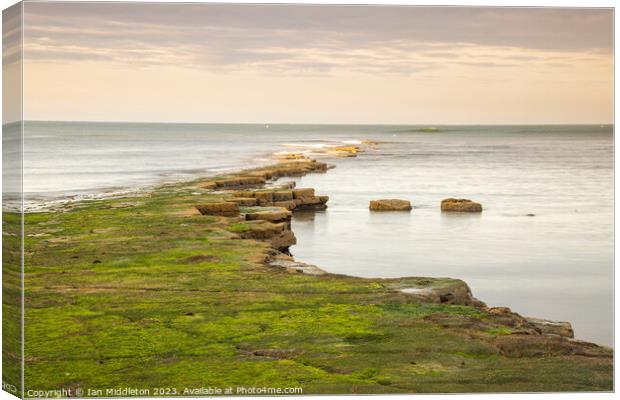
{"x": 557, "y": 264}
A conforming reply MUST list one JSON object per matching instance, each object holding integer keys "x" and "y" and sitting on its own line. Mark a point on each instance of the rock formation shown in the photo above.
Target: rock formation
{"x": 390, "y": 205}
{"x": 460, "y": 205}
{"x": 224, "y": 209}
{"x": 275, "y": 214}
{"x": 558, "y": 328}
{"x": 291, "y": 199}
{"x": 279, "y": 234}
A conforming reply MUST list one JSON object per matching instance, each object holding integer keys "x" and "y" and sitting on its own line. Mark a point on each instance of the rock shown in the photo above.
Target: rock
{"x": 244, "y": 201}
{"x": 209, "y": 185}
{"x": 286, "y": 185}
{"x": 343, "y": 154}
{"x": 297, "y": 267}
{"x": 460, "y": 205}
{"x": 246, "y": 194}
{"x": 283, "y": 195}
{"x": 289, "y": 199}
{"x": 289, "y": 205}
{"x": 306, "y": 200}
{"x": 314, "y": 203}
{"x": 293, "y": 168}
{"x": 517, "y": 324}
{"x": 239, "y": 181}
{"x": 274, "y": 215}
{"x": 278, "y": 234}
{"x": 552, "y": 327}
{"x": 344, "y": 151}
{"x": 540, "y": 345}
{"x": 285, "y": 155}
{"x": 303, "y": 194}
{"x": 499, "y": 310}
{"x": 279, "y": 256}
{"x": 262, "y": 230}
{"x": 455, "y": 292}
{"x": 225, "y": 209}
{"x": 259, "y": 176}
{"x": 390, "y": 205}
{"x": 283, "y": 240}
{"x": 264, "y": 198}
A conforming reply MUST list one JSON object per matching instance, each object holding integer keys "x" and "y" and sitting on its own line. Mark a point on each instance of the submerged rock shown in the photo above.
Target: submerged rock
{"x": 460, "y": 205}
{"x": 285, "y": 155}
{"x": 224, "y": 209}
{"x": 390, "y": 205}
{"x": 344, "y": 151}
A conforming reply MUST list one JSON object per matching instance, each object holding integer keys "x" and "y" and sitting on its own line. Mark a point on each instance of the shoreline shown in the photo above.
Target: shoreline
{"x": 198, "y": 274}
{"x": 456, "y": 292}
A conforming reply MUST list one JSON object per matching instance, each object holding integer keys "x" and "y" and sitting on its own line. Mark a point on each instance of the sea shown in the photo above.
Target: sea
{"x": 543, "y": 245}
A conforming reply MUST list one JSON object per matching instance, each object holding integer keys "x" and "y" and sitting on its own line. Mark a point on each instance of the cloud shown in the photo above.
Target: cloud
{"x": 294, "y": 39}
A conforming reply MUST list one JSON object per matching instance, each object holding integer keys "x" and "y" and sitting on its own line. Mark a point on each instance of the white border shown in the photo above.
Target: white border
{"x": 506, "y": 3}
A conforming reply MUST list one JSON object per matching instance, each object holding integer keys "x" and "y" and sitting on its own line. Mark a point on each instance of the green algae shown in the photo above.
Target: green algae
{"x": 141, "y": 292}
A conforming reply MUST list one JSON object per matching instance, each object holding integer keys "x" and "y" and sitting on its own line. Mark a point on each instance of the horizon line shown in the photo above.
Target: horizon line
{"x": 315, "y": 123}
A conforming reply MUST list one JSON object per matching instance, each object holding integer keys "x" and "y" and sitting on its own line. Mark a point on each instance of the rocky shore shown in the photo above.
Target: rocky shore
{"x": 194, "y": 282}
{"x": 265, "y": 214}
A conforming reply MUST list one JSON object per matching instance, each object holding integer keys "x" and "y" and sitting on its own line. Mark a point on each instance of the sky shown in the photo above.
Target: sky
{"x": 317, "y": 64}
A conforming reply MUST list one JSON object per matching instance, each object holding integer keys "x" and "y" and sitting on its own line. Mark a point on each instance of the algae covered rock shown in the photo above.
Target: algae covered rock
{"x": 390, "y": 205}
{"x": 460, "y": 205}
{"x": 244, "y": 201}
{"x": 283, "y": 195}
{"x": 452, "y": 292}
{"x": 264, "y": 198}
{"x": 224, "y": 209}
{"x": 295, "y": 199}
{"x": 276, "y": 214}
{"x": 239, "y": 181}
{"x": 298, "y": 267}
{"x": 548, "y": 327}
{"x": 278, "y": 235}
{"x": 303, "y": 194}
{"x": 289, "y": 205}
{"x": 518, "y": 346}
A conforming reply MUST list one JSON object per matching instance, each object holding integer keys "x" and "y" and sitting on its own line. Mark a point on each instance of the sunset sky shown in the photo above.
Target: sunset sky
{"x": 317, "y": 64}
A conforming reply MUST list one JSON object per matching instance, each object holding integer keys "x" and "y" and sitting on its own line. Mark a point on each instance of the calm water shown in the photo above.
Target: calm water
{"x": 557, "y": 264}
